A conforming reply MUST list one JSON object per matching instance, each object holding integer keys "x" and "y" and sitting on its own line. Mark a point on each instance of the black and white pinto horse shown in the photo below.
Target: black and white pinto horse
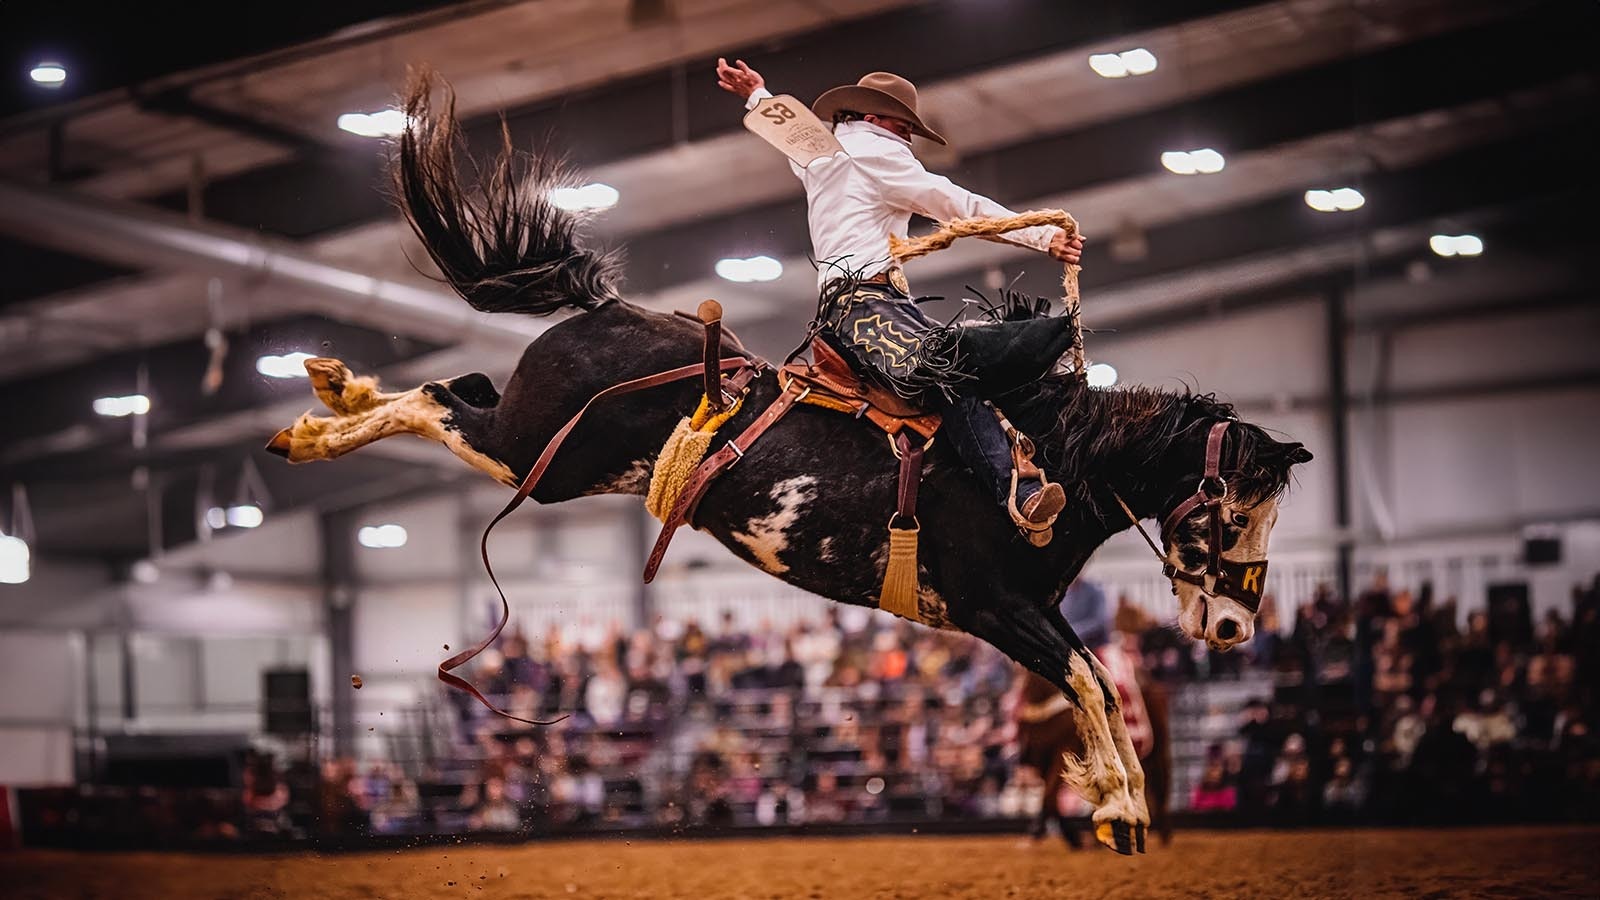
{"x": 809, "y": 502}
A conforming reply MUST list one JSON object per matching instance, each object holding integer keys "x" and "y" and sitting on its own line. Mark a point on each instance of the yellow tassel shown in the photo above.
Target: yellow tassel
{"x": 681, "y": 454}
{"x": 899, "y": 594}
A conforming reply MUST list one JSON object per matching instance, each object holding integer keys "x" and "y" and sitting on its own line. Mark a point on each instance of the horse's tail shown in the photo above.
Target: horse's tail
{"x": 498, "y": 240}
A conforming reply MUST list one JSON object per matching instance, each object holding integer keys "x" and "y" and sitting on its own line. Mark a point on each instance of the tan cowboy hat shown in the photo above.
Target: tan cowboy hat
{"x": 878, "y": 93}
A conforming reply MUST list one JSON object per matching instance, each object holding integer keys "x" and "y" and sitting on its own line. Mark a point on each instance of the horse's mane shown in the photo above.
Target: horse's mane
{"x": 1082, "y": 433}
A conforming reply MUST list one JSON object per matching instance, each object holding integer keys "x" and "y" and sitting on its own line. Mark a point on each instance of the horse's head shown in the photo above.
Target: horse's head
{"x": 1184, "y": 459}
{"x": 1214, "y": 530}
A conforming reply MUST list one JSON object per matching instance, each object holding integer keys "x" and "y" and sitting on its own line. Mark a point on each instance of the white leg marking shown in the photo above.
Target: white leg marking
{"x": 411, "y": 412}
{"x": 767, "y": 537}
{"x": 1125, "y": 750}
{"x": 1099, "y": 776}
{"x": 931, "y": 607}
{"x": 635, "y": 481}
{"x": 825, "y": 550}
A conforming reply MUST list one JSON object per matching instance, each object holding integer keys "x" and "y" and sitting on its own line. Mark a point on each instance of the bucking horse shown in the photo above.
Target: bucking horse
{"x": 808, "y": 501}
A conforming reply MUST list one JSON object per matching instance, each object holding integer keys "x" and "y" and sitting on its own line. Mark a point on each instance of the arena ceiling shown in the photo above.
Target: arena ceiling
{"x": 138, "y": 201}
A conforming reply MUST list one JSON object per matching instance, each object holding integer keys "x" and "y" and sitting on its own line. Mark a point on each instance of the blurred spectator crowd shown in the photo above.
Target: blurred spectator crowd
{"x": 1383, "y": 709}
{"x": 1376, "y": 709}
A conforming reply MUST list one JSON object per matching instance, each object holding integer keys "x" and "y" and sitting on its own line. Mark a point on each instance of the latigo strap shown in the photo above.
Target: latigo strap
{"x": 899, "y": 592}
{"x": 527, "y": 487}
{"x": 713, "y": 466}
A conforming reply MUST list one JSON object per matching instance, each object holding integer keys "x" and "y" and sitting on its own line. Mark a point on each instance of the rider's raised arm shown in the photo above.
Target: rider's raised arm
{"x": 740, "y": 79}
{"x": 904, "y": 183}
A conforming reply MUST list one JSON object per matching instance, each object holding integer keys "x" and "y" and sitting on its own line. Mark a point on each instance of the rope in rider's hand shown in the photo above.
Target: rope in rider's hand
{"x": 991, "y": 228}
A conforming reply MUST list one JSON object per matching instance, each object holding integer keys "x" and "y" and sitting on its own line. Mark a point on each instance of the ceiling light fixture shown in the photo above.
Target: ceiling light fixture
{"x": 131, "y": 405}
{"x": 289, "y": 365}
{"x": 244, "y": 515}
{"x": 145, "y": 572}
{"x": 1137, "y": 61}
{"x": 1204, "y": 161}
{"x": 1337, "y": 200}
{"x": 382, "y": 537}
{"x": 755, "y": 268}
{"x": 589, "y": 197}
{"x": 1100, "y": 375}
{"x": 1456, "y": 244}
{"x": 15, "y": 565}
{"x": 385, "y": 123}
{"x": 49, "y": 74}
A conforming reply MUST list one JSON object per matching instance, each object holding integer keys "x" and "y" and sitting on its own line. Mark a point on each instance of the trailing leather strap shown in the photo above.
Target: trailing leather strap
{"x": 899, "y": 592}
{"x": 713, "y": 466}
{"x": 527, "y": 487}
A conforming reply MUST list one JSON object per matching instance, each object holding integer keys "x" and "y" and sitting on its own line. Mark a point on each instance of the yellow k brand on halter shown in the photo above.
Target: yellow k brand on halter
{"x": 1239, "y": 581}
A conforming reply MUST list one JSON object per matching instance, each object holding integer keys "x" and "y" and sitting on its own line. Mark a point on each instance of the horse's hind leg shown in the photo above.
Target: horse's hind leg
{"x": 1024, "y": 633}
{"x": 363, "y": 415}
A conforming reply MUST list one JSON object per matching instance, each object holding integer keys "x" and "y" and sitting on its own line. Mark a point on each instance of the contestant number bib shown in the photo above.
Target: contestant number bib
{"x": 789, "y": 125}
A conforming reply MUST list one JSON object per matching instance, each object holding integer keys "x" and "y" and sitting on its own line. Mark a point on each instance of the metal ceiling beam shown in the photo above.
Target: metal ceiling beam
{"x": 329, "y": 191}
{"x": 1393, "y": 83}
{"x": 132, "y": 235}
{"x": 1536, "y": 164}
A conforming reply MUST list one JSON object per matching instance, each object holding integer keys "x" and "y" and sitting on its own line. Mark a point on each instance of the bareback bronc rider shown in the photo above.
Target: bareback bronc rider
{"x": 855, "y": 199}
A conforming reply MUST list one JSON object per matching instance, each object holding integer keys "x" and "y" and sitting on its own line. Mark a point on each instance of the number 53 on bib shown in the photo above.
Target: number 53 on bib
{"x": 789, "y": 125}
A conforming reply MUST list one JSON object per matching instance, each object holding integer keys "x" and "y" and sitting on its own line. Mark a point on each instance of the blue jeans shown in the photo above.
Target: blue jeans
{"x": 982, "y": 444}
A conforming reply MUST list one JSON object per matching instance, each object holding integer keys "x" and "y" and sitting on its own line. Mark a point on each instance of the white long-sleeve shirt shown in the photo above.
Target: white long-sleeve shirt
{"x": 856, "y": 199}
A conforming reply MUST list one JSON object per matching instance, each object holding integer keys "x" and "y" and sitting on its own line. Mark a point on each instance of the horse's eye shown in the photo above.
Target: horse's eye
{"x": 1241, "y": 520}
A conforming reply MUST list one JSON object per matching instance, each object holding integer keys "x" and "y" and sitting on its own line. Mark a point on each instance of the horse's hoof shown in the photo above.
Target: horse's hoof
{"x": 280, "y": 444}
{"x": 1116, "y": 835}
{"x": 1138, "y": 838}
{"x": 327, "y": 381}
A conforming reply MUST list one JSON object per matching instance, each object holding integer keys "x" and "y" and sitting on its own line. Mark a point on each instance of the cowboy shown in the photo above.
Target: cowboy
{"x": 855, "y": 199}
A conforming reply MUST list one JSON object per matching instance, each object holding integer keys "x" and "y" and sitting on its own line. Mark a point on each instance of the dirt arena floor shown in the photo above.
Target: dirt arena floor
{"x": 1503, "y": 862}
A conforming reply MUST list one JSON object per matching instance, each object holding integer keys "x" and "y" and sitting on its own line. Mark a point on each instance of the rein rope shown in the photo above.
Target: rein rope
{"x": 682, "y": 373}
{"x": 992, "y": 228}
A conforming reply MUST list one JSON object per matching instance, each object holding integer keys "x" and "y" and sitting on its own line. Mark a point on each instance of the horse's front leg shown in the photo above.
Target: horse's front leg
{"x": 1124, "y": 745}
{"x": 1025, "y": 634}
{"x": 363, "y": 414}
{"x": 1117, "y": 724}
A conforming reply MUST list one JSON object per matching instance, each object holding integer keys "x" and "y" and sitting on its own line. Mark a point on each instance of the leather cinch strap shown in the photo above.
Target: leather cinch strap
{"x": 527, "y": 487}
{"x": 910, "y": 454}
{"x": 713, "y": 466}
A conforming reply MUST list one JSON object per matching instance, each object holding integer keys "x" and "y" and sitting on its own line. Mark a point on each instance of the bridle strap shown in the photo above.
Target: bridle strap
{"x": 1209, "y": 494}
{"x": 1212, "y": 487}
{"x": 526, "y": 488}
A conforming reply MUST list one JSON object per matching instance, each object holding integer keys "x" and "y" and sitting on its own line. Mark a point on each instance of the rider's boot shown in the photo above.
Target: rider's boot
{"x": 1035, "y": 510}
{"x": 1022, "y": 490}
{"x": 1035, "y": 501}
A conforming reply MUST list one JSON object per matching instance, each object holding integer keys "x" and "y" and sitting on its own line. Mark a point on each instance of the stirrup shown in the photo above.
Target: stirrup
{"x": 1039, "y": 534}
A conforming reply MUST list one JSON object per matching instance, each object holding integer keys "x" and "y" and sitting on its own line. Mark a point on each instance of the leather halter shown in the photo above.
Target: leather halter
{"x": 1241, "y": 582}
